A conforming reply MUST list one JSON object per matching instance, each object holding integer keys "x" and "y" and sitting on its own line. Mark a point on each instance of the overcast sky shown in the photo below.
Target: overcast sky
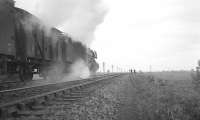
{"x": 137, "y": 34}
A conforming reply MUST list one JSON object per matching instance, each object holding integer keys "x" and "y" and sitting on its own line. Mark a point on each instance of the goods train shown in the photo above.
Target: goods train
{"x": 27, "y": 46}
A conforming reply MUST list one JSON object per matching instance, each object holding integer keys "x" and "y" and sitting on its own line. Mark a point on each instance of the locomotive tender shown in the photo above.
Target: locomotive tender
{"x": 27, "y": 46}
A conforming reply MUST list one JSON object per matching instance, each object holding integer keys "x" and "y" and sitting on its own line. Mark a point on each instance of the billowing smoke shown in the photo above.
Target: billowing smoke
{"x": 78, "y": 18}
{"x": 79, "y": 70}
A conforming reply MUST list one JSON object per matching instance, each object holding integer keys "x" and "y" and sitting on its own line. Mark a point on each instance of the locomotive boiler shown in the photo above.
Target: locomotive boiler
{"x": 28, "y": 46}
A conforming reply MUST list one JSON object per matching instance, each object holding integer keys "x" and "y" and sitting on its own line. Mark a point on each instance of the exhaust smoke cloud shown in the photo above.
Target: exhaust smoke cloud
{"x": 80, "y": 69}
{"x": 78, "y": 18}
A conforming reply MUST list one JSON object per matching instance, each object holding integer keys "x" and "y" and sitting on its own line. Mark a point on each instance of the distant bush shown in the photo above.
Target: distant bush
{"x": 195, "y": 78}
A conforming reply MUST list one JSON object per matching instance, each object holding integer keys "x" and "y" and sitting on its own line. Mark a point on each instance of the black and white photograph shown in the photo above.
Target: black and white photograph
{"x": 99, "y": 60}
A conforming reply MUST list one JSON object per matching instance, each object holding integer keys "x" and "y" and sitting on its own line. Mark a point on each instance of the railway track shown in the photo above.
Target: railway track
{"x": 27, "y": 101}
{"x": 10, "y": 82}
{"x": 14, "y": 82}
{"x": 15, "y": 94}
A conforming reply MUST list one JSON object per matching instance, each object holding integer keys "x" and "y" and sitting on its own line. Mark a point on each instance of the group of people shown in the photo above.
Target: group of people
{"x": 133, "y": 71}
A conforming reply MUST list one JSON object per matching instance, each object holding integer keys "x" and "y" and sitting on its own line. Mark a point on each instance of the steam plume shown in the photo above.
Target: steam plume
{"x": 80, "y": 69}
{"x": 78, "y": 18}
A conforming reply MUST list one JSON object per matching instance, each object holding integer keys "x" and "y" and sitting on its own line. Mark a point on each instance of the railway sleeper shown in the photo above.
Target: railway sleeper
{"x": 75, "y": 88}
{"x": 85, "y": 91}
{"x": 31, "y": 113}
{"x": 59, "y": 107}
{"x": 71, "y": 97}
{"x": 52, "y": 103}
{"x": 67, "y": 100}
{"x": 79, "y": 93}
{"x": 35, "y": 111}
{"x": 49, "y": 105}
{"x": 38, "y": 107}
{"x": 46, "y": 112}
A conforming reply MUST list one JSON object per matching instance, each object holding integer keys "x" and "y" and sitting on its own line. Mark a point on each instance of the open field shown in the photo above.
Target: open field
{"x": 172, "y": 75}
{"x": 147, "y": 99}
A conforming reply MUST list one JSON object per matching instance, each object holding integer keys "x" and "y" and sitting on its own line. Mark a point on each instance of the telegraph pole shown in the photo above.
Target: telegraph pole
{"x": 150, "y": 68}
{"x": 104, "y": 65}
{"x": 112, "y": 68}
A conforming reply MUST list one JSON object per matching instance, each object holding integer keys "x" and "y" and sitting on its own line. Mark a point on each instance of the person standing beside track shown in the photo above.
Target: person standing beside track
{"x": 134, "y": 71}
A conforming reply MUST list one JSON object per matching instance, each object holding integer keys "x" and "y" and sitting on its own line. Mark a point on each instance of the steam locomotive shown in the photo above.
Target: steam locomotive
{"x": 27, "y": 46}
